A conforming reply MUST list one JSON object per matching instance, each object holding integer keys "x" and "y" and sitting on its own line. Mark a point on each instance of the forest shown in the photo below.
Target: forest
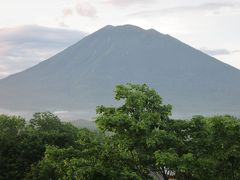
{"x": 136, "y": 140}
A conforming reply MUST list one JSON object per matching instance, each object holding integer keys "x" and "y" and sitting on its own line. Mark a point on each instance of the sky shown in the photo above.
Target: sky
{"x": 32, "y": 31}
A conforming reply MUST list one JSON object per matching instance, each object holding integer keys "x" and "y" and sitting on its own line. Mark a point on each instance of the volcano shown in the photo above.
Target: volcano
{"x": 84, "y": 75}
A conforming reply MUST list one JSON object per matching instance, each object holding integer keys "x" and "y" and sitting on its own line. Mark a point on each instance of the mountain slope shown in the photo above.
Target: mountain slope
{"x": 85, "y": 74}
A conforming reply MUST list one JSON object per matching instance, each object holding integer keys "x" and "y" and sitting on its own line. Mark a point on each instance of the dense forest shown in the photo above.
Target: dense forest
{"x": 136, "y": 140}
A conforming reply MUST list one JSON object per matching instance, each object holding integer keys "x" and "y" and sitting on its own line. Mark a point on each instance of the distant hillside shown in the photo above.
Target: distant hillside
{"x": 85, "y": 74}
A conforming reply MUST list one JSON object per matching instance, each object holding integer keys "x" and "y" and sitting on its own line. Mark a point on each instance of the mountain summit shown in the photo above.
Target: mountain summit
{"x": 85, "y": 74}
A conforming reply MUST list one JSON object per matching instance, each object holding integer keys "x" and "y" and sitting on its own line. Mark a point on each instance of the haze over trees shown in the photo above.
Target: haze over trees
{"x": 135, "y": 140}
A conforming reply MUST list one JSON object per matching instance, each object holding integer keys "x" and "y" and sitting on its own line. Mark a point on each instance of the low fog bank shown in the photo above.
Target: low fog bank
{"x": 90, "y": 115}
{"x": 62, "y": 114}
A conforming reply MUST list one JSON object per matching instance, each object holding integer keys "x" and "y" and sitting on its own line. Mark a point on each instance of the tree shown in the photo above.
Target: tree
{"x": 139, "y": 127}
{"x": 23, "y": 145}
{"x": 225, "y": 146}
{"x": 137, "y": 140}
{"x": 10, "y": 129}
{"x": 45, "y": 121}
{"x": 92, "y": 157}
{"x": 52, "y": 131}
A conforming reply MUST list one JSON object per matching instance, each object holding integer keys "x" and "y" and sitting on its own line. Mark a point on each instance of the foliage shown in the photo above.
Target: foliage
{"x": 136, "y": 125}
{"x": 24, "y": 144}
{"x": 136, "y": 140}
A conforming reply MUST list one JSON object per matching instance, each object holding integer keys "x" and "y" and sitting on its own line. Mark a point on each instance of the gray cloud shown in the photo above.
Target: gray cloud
{"x": 25, "y": 46}
{"x": 217, "y": 52}
{"x": 83, "y": 8}
{"x": 128, "y": 2}
{"x": 215, "y": 8}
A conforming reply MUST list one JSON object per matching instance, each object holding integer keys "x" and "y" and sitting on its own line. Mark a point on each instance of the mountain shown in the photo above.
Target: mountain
{"x": 85, "y": 74}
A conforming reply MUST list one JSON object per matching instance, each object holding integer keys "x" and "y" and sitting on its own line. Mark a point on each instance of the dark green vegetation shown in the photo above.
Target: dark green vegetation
{"x": 136, "y": 140}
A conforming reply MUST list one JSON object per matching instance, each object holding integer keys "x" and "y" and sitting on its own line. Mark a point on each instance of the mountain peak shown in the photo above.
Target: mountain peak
{"x": 128, "y": 27}
{"x": 125, "y": 26}
{"x": 127, "y": 30}
{"x": 84, "y": 75}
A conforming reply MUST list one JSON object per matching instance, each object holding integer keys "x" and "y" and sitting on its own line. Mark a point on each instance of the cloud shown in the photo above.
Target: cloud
{"x": 236, "y": 51}
{"x": 218, "y": 52}
{"x": 67, "y": 12}
{"x": 215, "y": 8}
{"x": 25, "y": 46}
{"x": 215, "y": 52}
{"x": 128, "y": 2}
{"x": 3, "y": 71}
{"x": 81, "y": 8}
{"x": 84, "y": 8}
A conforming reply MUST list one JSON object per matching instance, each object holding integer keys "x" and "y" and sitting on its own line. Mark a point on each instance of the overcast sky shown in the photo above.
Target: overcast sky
{"x": 31, "y": 31}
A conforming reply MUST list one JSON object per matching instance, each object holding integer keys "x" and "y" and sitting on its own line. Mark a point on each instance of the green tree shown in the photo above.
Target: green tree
{"x": 137, "y": 140}
{"x": 92, "y": 157}
{"x": 22, "y": 145}
{"x": 139, "y": 127}
{"x": 52, "y": 131}
{"x": 225, "y": 146}
{"x": 10, "y": 129}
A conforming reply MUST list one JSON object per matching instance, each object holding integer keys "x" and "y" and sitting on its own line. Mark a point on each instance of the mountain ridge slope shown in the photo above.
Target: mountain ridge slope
{"x": 85, "y": 74}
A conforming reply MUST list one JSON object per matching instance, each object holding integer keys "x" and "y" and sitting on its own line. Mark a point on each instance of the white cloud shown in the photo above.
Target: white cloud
{"x": 215, "y": 8}
{"x": 236, "y": 51}
{"x": 67, "y": 12}
{"x": 84, "y": 8}
{"x": 129, "y": 2}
